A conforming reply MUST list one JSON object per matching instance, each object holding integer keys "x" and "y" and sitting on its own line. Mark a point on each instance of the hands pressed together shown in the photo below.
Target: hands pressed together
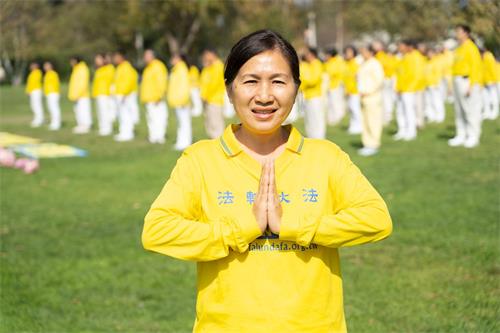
{"x": 267, "y": 208}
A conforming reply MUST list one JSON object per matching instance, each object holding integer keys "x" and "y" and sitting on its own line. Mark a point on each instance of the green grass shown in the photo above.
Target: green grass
{"x": 71, "y": 258}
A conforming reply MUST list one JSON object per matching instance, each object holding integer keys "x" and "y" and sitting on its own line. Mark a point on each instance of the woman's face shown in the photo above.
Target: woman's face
{"x": 263, "y": 92}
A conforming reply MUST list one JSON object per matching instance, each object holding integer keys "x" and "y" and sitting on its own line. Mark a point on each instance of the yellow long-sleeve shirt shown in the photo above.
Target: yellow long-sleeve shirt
{"x": 350, "y": 84}
{"x": 406, "y": 73}
{"x": 335, "y": 67}
{"x": 467, "y": 62}
{"x": 311, "y": 78}
{"x": 34, "y": 81}
{"x": 103, "y": 79}
{"x": 420, "y": 70}
{"x": 204, "y": 214}
{"x": 433, "y": 72}
{"x": 79, "y": 82}
{"x": 194, "y": 76}
{"x": 388, "y": 62}
{"x": 125, "y": 79}
{"x": 154, "y": 82}
{"x": 489, "y": 68}
{"x": 51, "y": 83}
{"x": 179, "y": 89}
{"x": 212, "y": 86}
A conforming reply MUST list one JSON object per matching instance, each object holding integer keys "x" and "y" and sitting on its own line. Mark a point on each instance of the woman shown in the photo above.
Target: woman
{"x": 351, "y": 89}
{"x": 264, "y": 234}
{"x": 179, "y": 99}
{"x": 370, "y": 85}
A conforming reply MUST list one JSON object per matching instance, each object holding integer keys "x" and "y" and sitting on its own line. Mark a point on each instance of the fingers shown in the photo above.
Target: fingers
{"x": 272, "y": 193}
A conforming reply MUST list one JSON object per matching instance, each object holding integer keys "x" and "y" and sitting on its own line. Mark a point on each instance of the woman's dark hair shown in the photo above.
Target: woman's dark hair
{"x": 254, "y": 44}
{"x": 333, "y": 52}
{"x": 352, "y": 48}
{"x": 465, "y": 28}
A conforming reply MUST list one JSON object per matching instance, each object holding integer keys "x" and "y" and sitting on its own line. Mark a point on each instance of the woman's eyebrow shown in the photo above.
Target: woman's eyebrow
{"x": 257, "y": 76}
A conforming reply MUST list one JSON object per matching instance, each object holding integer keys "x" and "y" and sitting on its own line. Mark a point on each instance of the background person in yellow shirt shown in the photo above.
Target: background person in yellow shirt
{"x": 194, "y": 80}
{"x": 406, "y": 86}
{"x": 370, "y": 87}
{"x": 153, "y": 93}
{"x": 314, "y": 109}
{"x": 178, "y": 97}
{"x": 467, "y": 80}
{"x": 420, "y": 50}
{"x": 434, "y": 99}
{"x": 101, "y": 90}
{"x": 34, "y": 90}
{"x": 125, "y": 83}
{"x": 78, "y": 92}
{"x": 212, "y": 92}
{"x": 335, "y": 67}
{"x": 265, "y": 238}
{"x": 490, "y": 89}
{"x": 51, "y": 88}
{"x": 389, "y": 63}
{"x": 351, "y": 89}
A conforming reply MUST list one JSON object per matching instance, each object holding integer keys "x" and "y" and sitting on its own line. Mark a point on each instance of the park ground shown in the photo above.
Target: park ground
{"x": 71, "y": 259}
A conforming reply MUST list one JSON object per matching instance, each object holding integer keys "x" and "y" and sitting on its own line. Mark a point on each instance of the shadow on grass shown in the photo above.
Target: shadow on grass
{"x": 356, "y": 144}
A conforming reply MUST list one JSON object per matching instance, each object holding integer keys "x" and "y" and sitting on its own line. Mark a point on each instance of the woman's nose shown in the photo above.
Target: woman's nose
{"x": 264, "y": 94}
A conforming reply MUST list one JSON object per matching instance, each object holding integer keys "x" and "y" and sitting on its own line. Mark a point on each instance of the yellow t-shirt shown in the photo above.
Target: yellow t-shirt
{"x": 311, "y": 77}
{"x": 194, "y": 77}
{"x": 420, "y": 70}
{"x": 335, "y": 67}
{"x": 388, "y": 62}
{"x": 51, "y": 83}
{"x": 212, "y": 86}
{"x": 249, "y": 282}
{"x": 468, "y": 62}
{"x": 154, "y": 82}
{"x": 125, "y": 79}
{"x": 407, "y": 77}
{"x": 350, "y": 83}
{"x": 103, "y": 79}
{"x": 433, "y": 72}
{"x": 79, "y": 82}
{"x": 489, "y": 70}
{"x": 179, "y": 88}
{"x": 34, "y": 81}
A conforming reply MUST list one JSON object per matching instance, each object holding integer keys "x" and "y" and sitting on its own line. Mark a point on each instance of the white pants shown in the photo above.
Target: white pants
{"x": 355, "y": 121}
{"x": 388, "y": 98}
{"x": 134, "y": 107}
{"x": 434, "y": 104}
{"x": 36, "y": 105}
{"x": 336, "y": 106}
{"x": 157, "y": 117}
{"x": 406, "y": 116}
{"x": 54, "y": 110}
{"x": 467, "y": 110}
{"x": 83, "y": 113}
{"x": 184, "y": 131}
{"x": 490, "y": 101}
{"x": 314, "y": 118}
{"x": 228, "y": 110}
{"x": 419, "y": 108}
{"x": 196, "y": 103}
{"x": 293, "y": 115}
{"x": 113, "y": 107}
{"x": 127, "y": 116}
{"x": 105, "y": 114}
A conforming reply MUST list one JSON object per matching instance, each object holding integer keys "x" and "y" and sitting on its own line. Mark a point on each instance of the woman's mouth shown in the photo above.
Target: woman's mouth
{"x": 264, "y": 113}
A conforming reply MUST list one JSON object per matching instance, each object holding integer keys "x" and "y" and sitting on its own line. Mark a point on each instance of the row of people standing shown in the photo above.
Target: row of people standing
{"x": 116, "y": 91}
{"x": 414, "y": 81}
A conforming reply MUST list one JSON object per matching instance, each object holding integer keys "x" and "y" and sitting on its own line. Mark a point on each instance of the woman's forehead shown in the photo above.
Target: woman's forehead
{"x": 269, "y": 62}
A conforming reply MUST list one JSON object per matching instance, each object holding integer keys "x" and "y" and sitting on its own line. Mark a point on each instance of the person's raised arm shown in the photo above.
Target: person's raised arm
{"x": 173, "y": 227}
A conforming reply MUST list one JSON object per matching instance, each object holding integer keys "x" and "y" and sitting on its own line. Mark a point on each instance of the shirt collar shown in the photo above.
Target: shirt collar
{"x": 232, "y": 147}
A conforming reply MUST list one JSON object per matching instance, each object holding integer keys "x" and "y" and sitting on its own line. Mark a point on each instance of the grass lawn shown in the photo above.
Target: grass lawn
{"x": 71, "y": 258}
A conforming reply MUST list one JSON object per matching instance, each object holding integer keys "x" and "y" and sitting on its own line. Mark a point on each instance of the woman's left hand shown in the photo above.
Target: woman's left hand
{"x": 274, "y": 209}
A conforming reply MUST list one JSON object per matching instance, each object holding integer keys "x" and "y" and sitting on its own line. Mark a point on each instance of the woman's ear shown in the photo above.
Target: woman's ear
{"x": 229, "y": 90}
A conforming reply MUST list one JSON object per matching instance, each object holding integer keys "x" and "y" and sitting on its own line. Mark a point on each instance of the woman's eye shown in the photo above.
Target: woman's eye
{"x": 278, "y": 82}
{"x": 250, "y": 81}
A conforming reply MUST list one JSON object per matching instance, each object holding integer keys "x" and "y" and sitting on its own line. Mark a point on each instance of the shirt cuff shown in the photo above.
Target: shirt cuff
{"x": 239, "y": 233}
{"x": 300, "y": 230}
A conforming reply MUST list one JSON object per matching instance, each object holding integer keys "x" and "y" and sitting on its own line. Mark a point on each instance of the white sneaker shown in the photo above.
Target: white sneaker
{"x": 398, "y": 136}
{"x": 35, "y": 125}
{"x": 366, "y": 151}
{"x": 471, "y": 143}
{"x": 353, "y": 131}
{"x": 456, "y": 141}
{"x": 81, "y": 130}
{"x": 409, "y": 137}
